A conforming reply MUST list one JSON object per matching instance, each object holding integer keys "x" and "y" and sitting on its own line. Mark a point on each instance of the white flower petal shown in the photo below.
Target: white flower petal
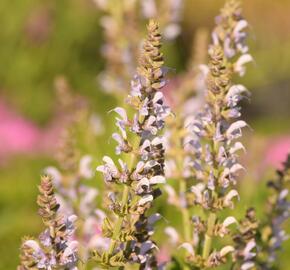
{"x": 239, "y": 65}
{"x": 85, "y": 167}
{"x": 100, "y": 214}
{"x": 283, "y": 194}
{"x": 158, "y": 95}
{"x": 145, "y": 199}
{"x": 140, "y": 166}
{"x": 248, "y": 254}
{"x": 197, "y": 190}
{"x": 108, "y": 160}
{"x": 236, "y": 167}
{"x": 143, "y": 184}
{"x": 188, "y": 247}
{"x": 157, "y": 141}
{"x": 158, "y": 179}
{"x": 117, "y": 137}
{"x": 122, "y": 112}
{"x": 149, "y": 9}
{"x": 226, "y": 250}
{"x": 173, "y": 234}
{"x": 236, "y": 89}
{"x": 101, "y": 169}
{"x": 247, "y": 266}
{"x": 234, "y": 130}
{"x": 240, "y": 26}
{"x": 171, "y": 31}
{"x": 33, "y": 244}
{"x": 72, "y": 218}
{"x": 72, "y": 246}
{"x": 236, "y": 147}
{"x": 170, "y": 191}
{"x": 228, "y": 198}
{"x": 229, "y": 220}
{"x": 55, "y": 174}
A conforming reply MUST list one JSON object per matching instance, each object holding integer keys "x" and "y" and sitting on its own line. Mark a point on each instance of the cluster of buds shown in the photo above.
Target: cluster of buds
{"x": 139, "y": 139}
{"x": 123, "y": 27}
{"x": 55, "y": 248}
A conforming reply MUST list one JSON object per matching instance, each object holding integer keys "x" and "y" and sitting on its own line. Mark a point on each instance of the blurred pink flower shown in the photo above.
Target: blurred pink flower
{"x": 277, "y": 151}
{"x": 163, "y": 255}
{"x": 19, "y": 135}
{"x": 16, "y": 133}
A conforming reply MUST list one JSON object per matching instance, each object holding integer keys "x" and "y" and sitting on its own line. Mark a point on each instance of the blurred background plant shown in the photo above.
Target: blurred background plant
{"x": 41, "y": 41}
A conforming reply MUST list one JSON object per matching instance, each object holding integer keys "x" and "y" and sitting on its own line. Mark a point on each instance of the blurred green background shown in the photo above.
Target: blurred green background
{"x": 40, "y": 40}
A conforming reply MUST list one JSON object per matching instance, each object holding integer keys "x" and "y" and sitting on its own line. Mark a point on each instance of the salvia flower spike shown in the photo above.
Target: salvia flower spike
{"x": 139, "y": 139}
{"x": 272, "y": 232}
{"x": 202, "y": 146}
{"x": 215, "y": 149}
{"x": 258, "y": 242}
{"x": 55, "y": 248}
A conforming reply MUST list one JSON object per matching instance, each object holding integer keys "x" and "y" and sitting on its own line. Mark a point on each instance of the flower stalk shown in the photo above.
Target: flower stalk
{"x": 209, "y": 235}
{"x": 198, "y": 150}
{"x": 55, "y": 248}
{"x": 213, "y": 145}
{"x": 139, "y": 139}
{"x": 272, "y": 232}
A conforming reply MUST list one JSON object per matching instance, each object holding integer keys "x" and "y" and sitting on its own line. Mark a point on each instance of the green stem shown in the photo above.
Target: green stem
{"x": 185, "y": 214}
{"x": 182, "y": 189}
{"x": 209, "y": 235}
{"x": 120, "y": 220}
{"x": 124, "y": 201}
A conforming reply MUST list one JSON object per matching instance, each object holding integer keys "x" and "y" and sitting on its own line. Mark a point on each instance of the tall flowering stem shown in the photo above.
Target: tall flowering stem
{"x": 186, "y": 95}
{"x": 214, "y": 145}
{"x": 258, "y": 243}
{"x": 141, "y": 143}
{"x": 55, "y": 248}
{"x": 272, "y": 233}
